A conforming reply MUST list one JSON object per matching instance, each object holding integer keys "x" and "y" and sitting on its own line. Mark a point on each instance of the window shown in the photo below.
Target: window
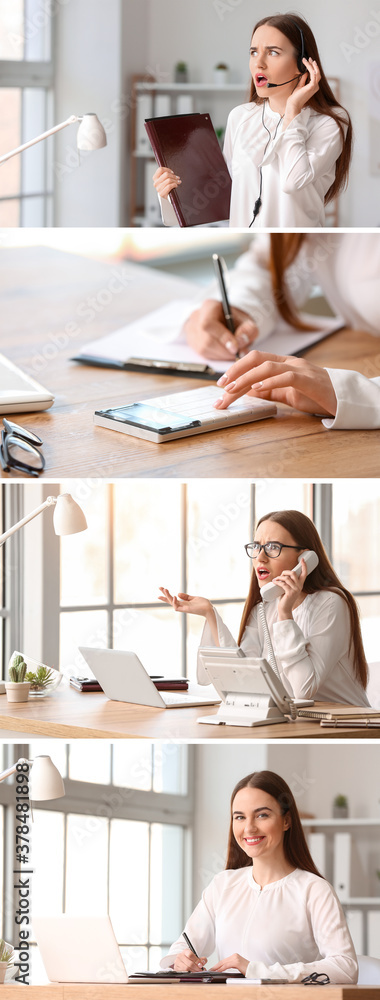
{"x": 26, "y": 110}
{"x": 356, "y": 540}
{"x": 134, "y": 835}
{"x": 10, "y": 576}
{"x": 145, "y": 535}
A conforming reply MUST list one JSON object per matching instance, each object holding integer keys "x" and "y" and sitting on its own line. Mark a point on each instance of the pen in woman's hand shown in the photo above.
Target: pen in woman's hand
{"x": 219, "y": 265}
{"x": 190, "y": 945}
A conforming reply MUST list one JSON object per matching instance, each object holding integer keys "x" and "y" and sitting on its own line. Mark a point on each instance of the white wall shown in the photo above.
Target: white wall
{"x": 204, "y": 32}
{"x": 316, "y": 773}
{"x": 96, "y": 51}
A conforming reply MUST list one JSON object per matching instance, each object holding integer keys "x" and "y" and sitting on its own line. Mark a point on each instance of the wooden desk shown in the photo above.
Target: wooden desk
{"x": 71, "y": 715}
{"x": 94, "y": 991}
{"x": 56, "y": 302}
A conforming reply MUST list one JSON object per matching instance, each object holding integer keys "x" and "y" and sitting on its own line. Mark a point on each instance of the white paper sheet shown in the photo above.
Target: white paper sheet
{"x": 157, "y": 335}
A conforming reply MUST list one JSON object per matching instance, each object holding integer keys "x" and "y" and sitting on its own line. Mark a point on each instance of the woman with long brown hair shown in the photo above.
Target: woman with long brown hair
{"x": 270, "y": 283}
{"x": 288, "y": 149}
{"x": 314, "y": 626}
{"x": 269, "y": 914}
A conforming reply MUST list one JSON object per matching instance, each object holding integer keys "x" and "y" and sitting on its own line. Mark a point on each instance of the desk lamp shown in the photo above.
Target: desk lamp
{"x": 45, "y": 780}
{"x": 68, "y": 516}
{"x": 90, "y": 136}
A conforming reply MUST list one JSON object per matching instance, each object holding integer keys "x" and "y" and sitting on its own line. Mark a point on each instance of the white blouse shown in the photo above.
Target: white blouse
{"x": 312, "y": 649}
{"x": 287, "y": 930}
{"x": 298, "y": 167}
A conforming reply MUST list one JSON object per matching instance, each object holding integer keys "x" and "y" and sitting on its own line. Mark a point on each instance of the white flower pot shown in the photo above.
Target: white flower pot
{"x": 221, "y": 77}
{"x": 3, "y": 970}
{"x": 17, "y": 692}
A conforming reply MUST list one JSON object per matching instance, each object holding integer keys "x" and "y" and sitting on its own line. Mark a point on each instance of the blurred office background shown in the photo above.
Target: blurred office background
{"x": 100, "y": 587}
{"x": 65, "y": 58}
{"x": 143, "y": 827}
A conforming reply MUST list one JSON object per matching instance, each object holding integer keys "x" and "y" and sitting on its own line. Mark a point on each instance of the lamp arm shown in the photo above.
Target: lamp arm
{"x": 15, "y": 527}
{"x": 11, "y": 770}
{"x": 69, "y": 121}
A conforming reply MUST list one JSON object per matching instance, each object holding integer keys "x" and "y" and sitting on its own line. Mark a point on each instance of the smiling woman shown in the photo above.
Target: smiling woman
{"x": 288, "y": 150}
{"x": 270, "y": 914}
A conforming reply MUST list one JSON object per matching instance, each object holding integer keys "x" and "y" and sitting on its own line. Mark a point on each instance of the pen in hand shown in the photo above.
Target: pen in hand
{"x": 228, "y": 318}
{"x": 190, "y": 945}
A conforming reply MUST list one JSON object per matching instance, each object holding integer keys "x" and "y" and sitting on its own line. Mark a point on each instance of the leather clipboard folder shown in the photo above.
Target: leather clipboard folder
{"x": 188, "y": 145}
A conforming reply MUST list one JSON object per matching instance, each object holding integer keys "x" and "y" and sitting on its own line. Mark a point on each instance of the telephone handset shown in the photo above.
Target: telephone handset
{"x": 271, "y": 591}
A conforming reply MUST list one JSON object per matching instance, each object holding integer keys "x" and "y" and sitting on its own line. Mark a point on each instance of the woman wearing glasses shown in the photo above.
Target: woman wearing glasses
{"x": 288, "y": 149}
{"x": 314, "y": 627}
{"x": 269, "y": 914}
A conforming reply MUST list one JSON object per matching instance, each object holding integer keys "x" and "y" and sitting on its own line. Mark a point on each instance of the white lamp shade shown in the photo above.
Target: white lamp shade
{"x": 91, "y": 134}
{"x": 68, "y": 516}
{"x": 45, "y": 780}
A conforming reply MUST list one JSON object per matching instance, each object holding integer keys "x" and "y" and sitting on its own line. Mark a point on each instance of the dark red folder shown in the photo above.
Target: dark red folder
{"x": 189, "y": 146}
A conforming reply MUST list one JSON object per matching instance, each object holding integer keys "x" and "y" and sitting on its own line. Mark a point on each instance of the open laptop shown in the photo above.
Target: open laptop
{"x": 19, "y": 393}
{"x": 123, "y": 678}
{"x": 79, "y": 949}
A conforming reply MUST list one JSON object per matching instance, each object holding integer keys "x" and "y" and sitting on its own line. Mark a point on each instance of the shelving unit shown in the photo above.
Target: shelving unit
{"x": 364, "y": 904}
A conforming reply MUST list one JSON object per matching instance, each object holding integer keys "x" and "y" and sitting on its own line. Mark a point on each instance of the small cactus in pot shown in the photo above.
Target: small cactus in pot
{"x": 17, "y": 688}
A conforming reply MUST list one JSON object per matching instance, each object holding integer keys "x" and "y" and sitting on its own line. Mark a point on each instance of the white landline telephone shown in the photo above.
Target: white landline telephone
{"x": 270, "y": 591}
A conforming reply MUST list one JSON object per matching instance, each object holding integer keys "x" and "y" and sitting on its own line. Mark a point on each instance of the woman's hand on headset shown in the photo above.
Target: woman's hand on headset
{"x": 282, "y": 379}
{"x": 307, "y": 85}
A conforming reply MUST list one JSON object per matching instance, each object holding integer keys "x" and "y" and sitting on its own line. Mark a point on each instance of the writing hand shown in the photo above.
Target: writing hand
{"x": 207, "y": 333}
{"x": 186, "y": 961}
{"x": 294, "y": 381}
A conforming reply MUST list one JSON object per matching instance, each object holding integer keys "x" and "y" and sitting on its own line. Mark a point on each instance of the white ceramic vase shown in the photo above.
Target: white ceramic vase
{"x": 3, "y": 971}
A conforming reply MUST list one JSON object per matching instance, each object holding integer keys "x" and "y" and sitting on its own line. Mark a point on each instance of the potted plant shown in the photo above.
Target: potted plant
{"x": 43, "y": 681}
{"x": 340, "y": 807}
{"x": 221, "y": 74}
{"x": 17, "y": 687}
{"x": 6, "y": 958}
{"x": 180, "y": 72}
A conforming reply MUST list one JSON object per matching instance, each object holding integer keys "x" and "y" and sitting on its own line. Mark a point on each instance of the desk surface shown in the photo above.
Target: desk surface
{"x": 131, "y": 991}
{"x": 70, "y": 714}
{"x": 56, "y": 302}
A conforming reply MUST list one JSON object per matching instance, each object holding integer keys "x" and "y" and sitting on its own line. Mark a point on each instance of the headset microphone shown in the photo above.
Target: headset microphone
{"x": 285, "y": 82}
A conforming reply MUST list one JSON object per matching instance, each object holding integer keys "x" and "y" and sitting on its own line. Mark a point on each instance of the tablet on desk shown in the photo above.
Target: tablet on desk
{"x": 181, "y": 414}
{"x": 19, "y": 393}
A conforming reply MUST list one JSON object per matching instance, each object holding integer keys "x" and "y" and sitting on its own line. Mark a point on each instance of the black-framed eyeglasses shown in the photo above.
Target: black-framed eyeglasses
{"x": 272, "y": 549}
{"x": 20, "y": 449}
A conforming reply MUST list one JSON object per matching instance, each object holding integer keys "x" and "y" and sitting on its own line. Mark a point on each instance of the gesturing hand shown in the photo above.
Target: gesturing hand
{"x": 185, "y": 602}
{"x": 233, "y": 962}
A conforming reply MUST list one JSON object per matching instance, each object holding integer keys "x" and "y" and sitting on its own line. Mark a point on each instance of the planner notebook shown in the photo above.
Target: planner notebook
{"x": 188, "y": 145}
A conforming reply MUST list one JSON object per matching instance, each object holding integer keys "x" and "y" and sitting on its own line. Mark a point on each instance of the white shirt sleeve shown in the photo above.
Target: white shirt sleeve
{"x": 358, "y": 401}
{"x": 305, "y": 156}
{"x": 226, "y": 641}
{"x": 200, "y": 929}
{"x": 306, "y": 661}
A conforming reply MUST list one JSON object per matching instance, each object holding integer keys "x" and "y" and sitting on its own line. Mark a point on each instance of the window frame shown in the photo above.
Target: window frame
{"x": 34, "y": 74}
